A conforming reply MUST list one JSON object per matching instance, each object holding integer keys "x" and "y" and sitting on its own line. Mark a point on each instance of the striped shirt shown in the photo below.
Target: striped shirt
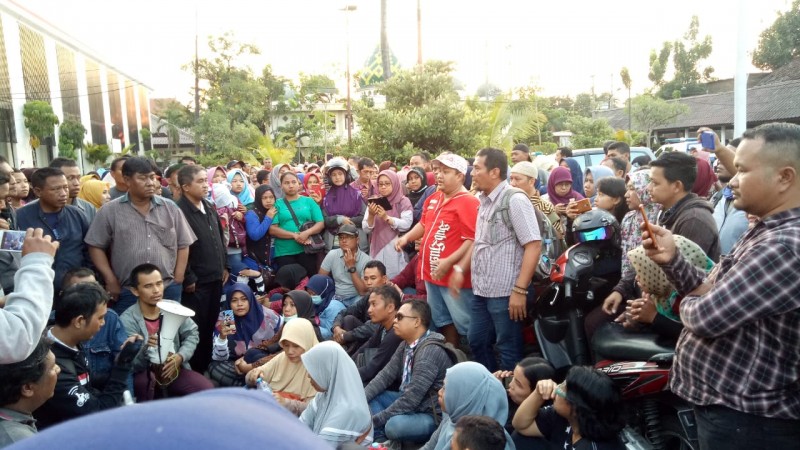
{"x": 740, "y": 346}
{"x": 135, "y": 239}
{"x": 497, "y": 253}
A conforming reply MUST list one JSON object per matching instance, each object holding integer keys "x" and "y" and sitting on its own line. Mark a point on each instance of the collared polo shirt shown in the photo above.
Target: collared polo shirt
{"x": 15, "y": 426}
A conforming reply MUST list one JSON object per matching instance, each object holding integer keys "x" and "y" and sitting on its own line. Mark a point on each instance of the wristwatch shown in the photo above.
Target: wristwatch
{"x": 351, "y": 270}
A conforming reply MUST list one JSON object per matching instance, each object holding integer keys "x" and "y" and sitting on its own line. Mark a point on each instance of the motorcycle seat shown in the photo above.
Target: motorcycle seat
{"x": 614, "y": 342}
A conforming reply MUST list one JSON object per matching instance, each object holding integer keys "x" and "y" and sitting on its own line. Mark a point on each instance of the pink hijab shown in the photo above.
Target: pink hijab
{"x": 211, "y": 171}
{"x": 382, "y": 233}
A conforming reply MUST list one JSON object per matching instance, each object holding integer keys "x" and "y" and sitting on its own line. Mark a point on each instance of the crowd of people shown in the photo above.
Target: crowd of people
{"x": 390, "y": 302}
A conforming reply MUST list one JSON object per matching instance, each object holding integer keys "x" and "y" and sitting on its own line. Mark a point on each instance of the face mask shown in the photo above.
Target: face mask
{"x": 288, "y": 318}
{"x": 317, "y": 299}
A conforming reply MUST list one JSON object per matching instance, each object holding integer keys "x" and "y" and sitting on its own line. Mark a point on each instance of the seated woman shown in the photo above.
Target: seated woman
{"x": 658, "y": 309}
{"x": 322, "y": 290}
{"x": 385, "y": 226}
{"x": 296, "y": 304}
{"x": 469, "y": 390}
{"x": 288, "y": 278}
{"x": 586, "y": 413}
{"x": 252, "y": 325}
{"x": 339, "y": 412}
{"x": 521, "y": 381}
{"x": 285, "y": 373}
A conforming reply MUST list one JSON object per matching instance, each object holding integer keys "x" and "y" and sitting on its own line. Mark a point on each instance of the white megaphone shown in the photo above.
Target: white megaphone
{"x": 173, "y": 314}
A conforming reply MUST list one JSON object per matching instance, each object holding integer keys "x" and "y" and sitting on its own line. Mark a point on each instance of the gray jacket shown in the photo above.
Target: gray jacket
{"x": 185, "y": 341}
{"x": 427, "y": 377}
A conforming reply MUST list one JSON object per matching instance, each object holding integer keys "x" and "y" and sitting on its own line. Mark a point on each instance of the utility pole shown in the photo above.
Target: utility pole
{"x": 419, "y": 33}
{"x": 349, "y": 116}
{"x": 196, "y": 83}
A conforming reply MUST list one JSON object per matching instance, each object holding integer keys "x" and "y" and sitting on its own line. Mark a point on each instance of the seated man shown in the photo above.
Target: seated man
{"x": 409, "y": 280}
{"x": 408, "y": 415}
{"x": 26, "y": 385}
{"x": 346, "y": 266}
{"x": 352, "y": 327}
{"x": 174, "y": 375}
{"x": 79, "y": 316}
{"x": 384, "y": 301}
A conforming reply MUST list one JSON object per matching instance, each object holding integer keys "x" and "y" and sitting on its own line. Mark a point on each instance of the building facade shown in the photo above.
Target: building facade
{"x": 40, "y": 62}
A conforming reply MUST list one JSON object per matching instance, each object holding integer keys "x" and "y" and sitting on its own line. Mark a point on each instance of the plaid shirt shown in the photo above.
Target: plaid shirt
{"x": 740, "y": 347}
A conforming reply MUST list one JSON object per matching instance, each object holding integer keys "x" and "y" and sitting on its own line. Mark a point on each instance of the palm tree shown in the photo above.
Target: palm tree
{"x": 509, "y": 121}
{"x": 386, "y": 57}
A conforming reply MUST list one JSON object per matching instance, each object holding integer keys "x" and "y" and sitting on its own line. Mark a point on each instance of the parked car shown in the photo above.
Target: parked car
{"x": 594, "y": 156}
{"x": 684, "y": 146}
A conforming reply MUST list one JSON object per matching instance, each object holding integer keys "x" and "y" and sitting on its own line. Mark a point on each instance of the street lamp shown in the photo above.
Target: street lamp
{"x": 349, "y": 116}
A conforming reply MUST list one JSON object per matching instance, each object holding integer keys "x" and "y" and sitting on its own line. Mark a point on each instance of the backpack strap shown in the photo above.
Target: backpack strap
{"x": 291, "y": 211}
{"x": 502, "y": 209}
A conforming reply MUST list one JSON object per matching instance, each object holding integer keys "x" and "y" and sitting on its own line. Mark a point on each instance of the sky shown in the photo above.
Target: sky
{"x": 563, "y": 47}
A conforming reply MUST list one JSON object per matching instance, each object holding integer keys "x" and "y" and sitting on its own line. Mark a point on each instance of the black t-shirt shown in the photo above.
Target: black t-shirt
{"x": 558, "y": 432}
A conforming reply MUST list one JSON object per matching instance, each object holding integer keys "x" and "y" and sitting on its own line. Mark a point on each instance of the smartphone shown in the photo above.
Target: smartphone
{"x": 227, "y": 319}
{"x": 647, "y": 225}
{"x": 319, "y": 190}
{"x": 11, "y": 240}
{"x": 707, "y": 140}
{"x": 583, "y": 206}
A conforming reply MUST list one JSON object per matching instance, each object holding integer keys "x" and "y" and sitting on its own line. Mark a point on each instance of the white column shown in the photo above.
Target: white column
{"x": 83, "y": 96}
{"x": 106, "y": 105}
{"x": 140, "y": 148}
{"x": 123, "y": 107}
{"x": 740, "y": 79}
{"x": 51, "y": 59}
{"x": 22, "y": 154}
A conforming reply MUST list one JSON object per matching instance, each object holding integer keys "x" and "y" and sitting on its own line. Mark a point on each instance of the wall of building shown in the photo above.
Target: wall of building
{"x": 38, "y": 62}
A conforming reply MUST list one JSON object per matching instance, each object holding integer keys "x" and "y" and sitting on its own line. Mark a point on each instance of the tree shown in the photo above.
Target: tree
{"x": 488, "y": 91}
{"x": 40, "y": 120}
{"x": 97, "y": 154}
{"x": 423, "y": 110}
{"x": 509, "y": 122}
{"x": 70, "y": 138}
{"x": 589, "y": 132}
{"x": 650, "y": 112}
{"x": 780, "y": 43}
{"x": 687, "y": 54}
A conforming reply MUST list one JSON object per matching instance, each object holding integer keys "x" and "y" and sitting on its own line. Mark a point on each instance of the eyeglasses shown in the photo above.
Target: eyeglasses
{"x": 399, "y": 316}
{"x": 560, "y": 392}
{"x": 384, "y": 184}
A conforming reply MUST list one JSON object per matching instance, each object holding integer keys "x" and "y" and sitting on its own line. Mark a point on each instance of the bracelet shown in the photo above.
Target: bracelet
{"x": 458, "y": 268}
{"x": 519, "y": 290}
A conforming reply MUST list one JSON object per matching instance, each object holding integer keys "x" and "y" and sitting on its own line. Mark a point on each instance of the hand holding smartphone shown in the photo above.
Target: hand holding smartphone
{"x": 583, "y": 206}
{"x": 707, "y": 141}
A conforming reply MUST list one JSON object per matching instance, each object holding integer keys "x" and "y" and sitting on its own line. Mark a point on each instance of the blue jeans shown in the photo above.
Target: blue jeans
{"x": 347, "y": 301}
{"x": 415, "y": 427}
{"x": 447, "y": 310}
{"x": 327, "y": 316}
{"x": 490, "y": 325}
{"x": 718, "y": 425}
{"x": 127, "y": 299}
{"x": 102, "y": 349}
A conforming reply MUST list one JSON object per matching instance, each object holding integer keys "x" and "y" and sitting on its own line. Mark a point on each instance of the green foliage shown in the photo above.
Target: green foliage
{"x": 626, "y": 78}
{"x": 97, "y": 154}
{"x": 687, "y": 54}
{"x": 70, "y": 138}
{"x": 508, "y": 122}
{"x": 423, "y": 110}
{"x": 589, "y": 132}
{"x": 40, "y": 121}
{"x": 780, "y": 43}
{"x": 650, "y": 112}
{"x": 488, "y": 91}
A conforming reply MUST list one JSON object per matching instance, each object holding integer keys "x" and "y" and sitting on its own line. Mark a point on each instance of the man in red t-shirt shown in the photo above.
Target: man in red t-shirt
{"x": 447, "y": 229}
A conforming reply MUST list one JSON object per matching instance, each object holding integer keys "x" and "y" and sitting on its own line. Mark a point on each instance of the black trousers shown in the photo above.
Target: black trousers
{"x": 309, "y": 262}
{"x": 205, "y": 302}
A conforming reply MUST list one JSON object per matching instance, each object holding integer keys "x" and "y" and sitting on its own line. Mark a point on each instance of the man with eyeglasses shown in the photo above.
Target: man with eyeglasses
{"x": 64, "y": 223}
{"x": 419, "y": 364}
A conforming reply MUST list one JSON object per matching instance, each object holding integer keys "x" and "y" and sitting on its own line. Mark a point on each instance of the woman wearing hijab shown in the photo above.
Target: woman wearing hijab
{"x": 577, "y": 175}
{"x": 240, "y": 187}
{"x": 95, "y": 192}
{"x": 469, "y": 390}
{"x": 321, "y": 289}
{"x": 313, "y": 187}
{"x": 296, "y": 304}
{"x": 416, "y": 183}
{"x": 275, "y": 179}
{"x": 216, "y": 175}
{"x": 705, "y": 179}
{"x": 560, "y": 193}
{"x": 252, "y": 325}
{"x": 339, "y": 412}
{"x": 591, "y": 177}
{"x": 259, "y": 244}
{"x": 342, "y": 204}
{"x": 385, "y": 226}
{"x": 233, "y": 225}
{"x": 285, "y": 373}
{"x": 288, "y": 278}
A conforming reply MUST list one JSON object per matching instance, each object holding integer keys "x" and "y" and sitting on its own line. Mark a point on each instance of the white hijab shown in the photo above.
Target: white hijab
{"x": 341, "y": 413}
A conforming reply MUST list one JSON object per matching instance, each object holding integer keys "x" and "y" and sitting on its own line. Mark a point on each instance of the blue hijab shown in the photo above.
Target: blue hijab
{"x": 577, "y": 175}
{"x": 246, "y": 196}
{"x": 324, "y": 287}
{"x": 598, "y": 173}
{"x": 246, "y": 326}
{"x": 471, "y": 390}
